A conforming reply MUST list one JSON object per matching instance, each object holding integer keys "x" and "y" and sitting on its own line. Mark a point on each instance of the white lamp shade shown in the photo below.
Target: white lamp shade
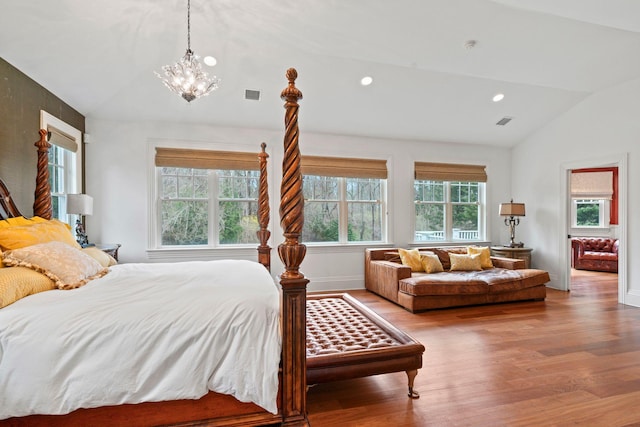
{"x": 79, "y": 204}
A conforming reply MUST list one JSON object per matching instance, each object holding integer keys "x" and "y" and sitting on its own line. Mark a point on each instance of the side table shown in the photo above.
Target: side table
{"x": 109, "y": 248}
{"x": 517, "y": 253}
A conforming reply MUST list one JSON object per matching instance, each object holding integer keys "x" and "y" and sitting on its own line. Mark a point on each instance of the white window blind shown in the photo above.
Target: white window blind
{"x": 593, "y": 185}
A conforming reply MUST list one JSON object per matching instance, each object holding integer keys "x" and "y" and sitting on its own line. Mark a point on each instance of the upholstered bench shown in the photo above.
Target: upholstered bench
{"x": 345, "y": 339}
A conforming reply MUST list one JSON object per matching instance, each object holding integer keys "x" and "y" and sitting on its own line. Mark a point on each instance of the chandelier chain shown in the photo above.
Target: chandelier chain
{"x": 188, "y": 24}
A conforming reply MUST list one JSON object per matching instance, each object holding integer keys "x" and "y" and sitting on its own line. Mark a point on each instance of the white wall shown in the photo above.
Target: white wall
{"x": 117, "y": 176}
{"x": 603, "y": 127}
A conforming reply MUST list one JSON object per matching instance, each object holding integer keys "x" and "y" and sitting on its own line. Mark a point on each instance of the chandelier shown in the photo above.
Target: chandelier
{"x": 186, "y": 77}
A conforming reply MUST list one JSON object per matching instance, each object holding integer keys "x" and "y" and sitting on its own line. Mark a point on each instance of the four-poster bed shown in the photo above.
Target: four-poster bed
{"x": 215, "y": 408}
{"x": 345, "y": 339}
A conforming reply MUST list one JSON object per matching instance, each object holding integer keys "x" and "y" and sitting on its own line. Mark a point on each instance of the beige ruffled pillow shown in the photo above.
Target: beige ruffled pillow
{"x": 462, "y": 262}
{"x": 67, "y": 266}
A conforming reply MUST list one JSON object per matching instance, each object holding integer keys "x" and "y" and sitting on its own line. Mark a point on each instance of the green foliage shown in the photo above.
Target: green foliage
{"x": 588, "y": 215}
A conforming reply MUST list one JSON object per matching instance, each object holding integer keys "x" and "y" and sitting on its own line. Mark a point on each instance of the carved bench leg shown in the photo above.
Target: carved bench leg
{"x": 411, "y": 375}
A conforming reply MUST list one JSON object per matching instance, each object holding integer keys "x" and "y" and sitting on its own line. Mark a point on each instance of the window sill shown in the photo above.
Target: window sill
{"x": 195, "y": 254}
{"x": 425, "y": 244}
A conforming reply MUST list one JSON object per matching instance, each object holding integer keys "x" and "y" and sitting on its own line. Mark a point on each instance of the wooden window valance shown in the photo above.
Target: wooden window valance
{"x": 343, "y": 167}
{"x": 61, "y": 139}
{"x": 450, "y": 172}
{"x": 206, "y": 159}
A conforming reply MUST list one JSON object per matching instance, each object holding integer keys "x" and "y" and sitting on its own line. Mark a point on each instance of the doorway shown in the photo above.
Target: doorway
{"x": 619, "y": 162}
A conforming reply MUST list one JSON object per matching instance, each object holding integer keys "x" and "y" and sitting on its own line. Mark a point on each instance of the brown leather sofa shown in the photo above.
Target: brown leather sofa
{"x": 507, "y": 281}
{"x": 595, "y": 253}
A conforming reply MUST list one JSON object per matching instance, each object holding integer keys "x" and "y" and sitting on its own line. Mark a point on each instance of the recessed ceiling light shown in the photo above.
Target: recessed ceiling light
{"x": 366, "y": 81}
{"x": 210, "y": 61}
{"x": 498, "y": 97}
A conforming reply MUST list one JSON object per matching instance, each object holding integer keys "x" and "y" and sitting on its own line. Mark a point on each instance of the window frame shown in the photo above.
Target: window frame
{"x": 448, "y": 206}
{"x": 71, "y": 164}
{"x": 155, "y": 250}
{"x": 604, "y": 212}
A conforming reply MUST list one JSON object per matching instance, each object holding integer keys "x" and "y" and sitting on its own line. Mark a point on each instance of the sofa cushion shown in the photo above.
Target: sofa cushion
{"x": 445, "y": 283}
{"x": 473, "y": 282}
{"x": 501, "y": 280}
{"x": 608, "y": 256}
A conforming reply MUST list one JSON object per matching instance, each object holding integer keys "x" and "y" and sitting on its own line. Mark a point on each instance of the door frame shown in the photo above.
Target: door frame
{"x": 613, "y": 160}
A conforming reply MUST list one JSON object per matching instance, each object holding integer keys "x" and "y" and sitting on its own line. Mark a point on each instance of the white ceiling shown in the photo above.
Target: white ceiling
{"x": 544, "y": 55}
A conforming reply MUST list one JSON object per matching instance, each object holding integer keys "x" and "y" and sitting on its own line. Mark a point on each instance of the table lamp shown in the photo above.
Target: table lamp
{"x": 512, "y": 211}
{"x": 81, "y": 205}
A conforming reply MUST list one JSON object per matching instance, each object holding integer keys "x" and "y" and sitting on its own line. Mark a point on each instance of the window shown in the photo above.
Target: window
{"x": 594, "y": 197}
{"x": 590, "y": 213}
{"x": 344, "y": 200}
{"x": 65, "y": 163}
{"x": 206, "y": 207}
{"x": 448, "y": 209}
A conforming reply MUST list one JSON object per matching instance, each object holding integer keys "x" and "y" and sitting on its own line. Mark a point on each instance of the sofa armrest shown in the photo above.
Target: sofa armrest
{"x": 382, "y": 277}
{"x": 508, "y": 263}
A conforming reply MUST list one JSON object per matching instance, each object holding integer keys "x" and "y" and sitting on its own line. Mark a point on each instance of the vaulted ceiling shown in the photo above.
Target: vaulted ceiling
{"x": 545, "y": 56}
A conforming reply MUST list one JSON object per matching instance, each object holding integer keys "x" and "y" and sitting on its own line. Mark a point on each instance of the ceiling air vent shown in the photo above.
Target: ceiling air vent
{"x": 253, "y": 95}
{"x": 503, "y": 121}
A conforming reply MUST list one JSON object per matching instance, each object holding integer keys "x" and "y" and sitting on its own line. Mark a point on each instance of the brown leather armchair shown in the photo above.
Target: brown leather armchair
{"x": 595, "y": 253}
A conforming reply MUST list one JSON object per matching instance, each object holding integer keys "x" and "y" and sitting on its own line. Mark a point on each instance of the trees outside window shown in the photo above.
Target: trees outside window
{"x": 448, "y": 210}
{"x": 193, "y": 200}
{"x": 342, "y": 210}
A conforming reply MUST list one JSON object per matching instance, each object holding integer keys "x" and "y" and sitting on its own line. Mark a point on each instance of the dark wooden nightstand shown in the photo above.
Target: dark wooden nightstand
{"x": 109, "y": 248}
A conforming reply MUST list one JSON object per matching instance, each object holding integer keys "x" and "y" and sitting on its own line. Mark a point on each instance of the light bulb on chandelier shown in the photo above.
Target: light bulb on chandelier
{"x": 186, "y": 77}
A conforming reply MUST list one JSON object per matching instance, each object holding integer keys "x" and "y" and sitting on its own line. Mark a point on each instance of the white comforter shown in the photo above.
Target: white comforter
{"x": 143, "y": 332}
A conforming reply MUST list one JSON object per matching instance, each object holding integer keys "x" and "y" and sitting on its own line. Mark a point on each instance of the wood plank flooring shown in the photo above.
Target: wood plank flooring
{"x": 573, "y": 359}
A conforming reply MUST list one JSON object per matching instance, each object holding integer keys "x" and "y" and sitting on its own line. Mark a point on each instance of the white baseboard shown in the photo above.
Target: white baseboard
{"x": 338, "y": 283}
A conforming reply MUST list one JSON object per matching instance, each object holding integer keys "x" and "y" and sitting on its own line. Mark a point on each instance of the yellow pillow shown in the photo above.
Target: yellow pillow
{"x": 411, "y": 258}
{"x": 485, "y": 255}
{"x": 20, "y": 220}
{"x": 463, "y": 262}
{"x": 20, "y": 236}
{"x": 67, "y": 266}
{"x": 19, "y": 282}
{"x": 101, "y": 256}
{"x": 431, "y": 263}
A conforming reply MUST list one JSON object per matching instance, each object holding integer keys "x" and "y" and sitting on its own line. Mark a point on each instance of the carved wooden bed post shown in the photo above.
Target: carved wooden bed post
{"x": 292, "y": 281}
{"x": 264, "y": 250}
{"x": 42, "y": 202}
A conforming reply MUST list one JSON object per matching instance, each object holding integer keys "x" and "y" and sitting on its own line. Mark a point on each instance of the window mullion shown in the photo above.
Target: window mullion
{"x": 343, "y": 214}
{"x": 448, "y": 212}
{"x": 214, "y": 202}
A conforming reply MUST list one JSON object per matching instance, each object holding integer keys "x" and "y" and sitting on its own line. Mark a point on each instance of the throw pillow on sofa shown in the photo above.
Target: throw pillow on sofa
{"x": 411, "y": 258}
{"x": 462, "y": 262}
{"x": 431, "y": 263}
{"x": 485, "y": 255}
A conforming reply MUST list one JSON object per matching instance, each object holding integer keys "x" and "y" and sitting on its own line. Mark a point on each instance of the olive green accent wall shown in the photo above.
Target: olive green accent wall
{"x": 21, "y": 100}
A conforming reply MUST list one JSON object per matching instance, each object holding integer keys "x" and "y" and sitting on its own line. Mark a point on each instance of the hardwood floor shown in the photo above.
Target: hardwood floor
{"x": 573, "y": 359}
